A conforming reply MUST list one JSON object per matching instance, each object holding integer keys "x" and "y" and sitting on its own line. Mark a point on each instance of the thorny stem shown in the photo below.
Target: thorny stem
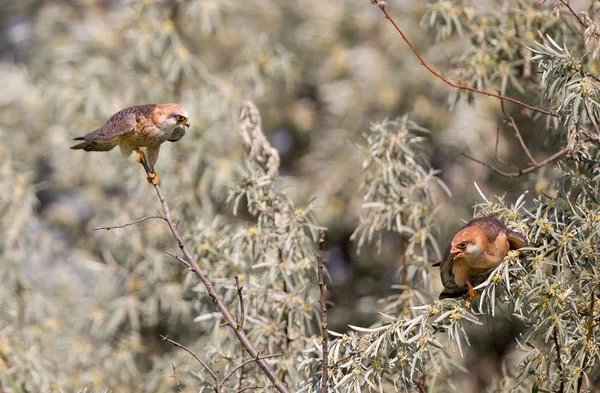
{"x": 323, "y": 300}
{"x": 588, "y": 337}
{"x": 381, "y": 5}
{"x": 212, "y": 292}
{"x": 559, "y": 361}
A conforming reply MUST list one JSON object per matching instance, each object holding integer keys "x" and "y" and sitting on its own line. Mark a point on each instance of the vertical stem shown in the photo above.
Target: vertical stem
{"x": 559, "y": 361}
{"x": 323, "y": 289}
{"x": 404, "y": 245}
{"x": 588, "y": 337}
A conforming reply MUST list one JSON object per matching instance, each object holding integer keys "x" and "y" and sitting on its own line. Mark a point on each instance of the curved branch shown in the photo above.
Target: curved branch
{"x": 381, "y": 5}
{"x": 521, "y": 172}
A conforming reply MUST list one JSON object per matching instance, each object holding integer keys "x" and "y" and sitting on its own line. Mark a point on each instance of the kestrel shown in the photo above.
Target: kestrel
{"x": 138, "y": 126}
{"x": 478, "y": 246}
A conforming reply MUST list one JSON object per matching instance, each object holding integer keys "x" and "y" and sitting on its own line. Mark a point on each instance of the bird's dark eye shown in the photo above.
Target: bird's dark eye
{"x": 462, "y": 245}
{"x": 180, "y": 118}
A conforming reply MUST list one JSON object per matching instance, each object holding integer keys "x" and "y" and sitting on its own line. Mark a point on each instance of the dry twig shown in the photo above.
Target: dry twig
{"x": 212, "y": 292}
{"x": 534, "y": 163}
{"x": 382, "y": 4}
{"x": 323, "y": 300}
{"x": 176, "y": 380}
{"x": 130, "y": 223}
{"x": 175, "y": 343}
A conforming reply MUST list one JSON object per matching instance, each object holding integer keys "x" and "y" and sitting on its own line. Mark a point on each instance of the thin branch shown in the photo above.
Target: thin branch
{"x": 175, "y": 343}
{"x": 513, "y": 124}
{"x": 130, "y": 223}
{"x": 559, "y": 361}
{"x": 240, "y": 324}
{"x": 212, "y": 292}
{"x": 588, "y": 337}
{"x": 249, "y": 387}
{"x": 323, "y": 289}
{"x": 581, "y": 21}
{"x": 381, "y": 5}
{"x": 178, "y": 258}
{"x": 521, "y": 172}
{"x": 176, "y": 380}
{"x": 404, "y": 246}
{"x": 353, "y": 353}
{"x": 241, "y": 365}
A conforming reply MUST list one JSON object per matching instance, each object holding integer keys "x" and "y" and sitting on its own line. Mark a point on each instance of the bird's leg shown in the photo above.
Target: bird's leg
{"x": 141, "y": 158}
{"x": 472, "y": 292}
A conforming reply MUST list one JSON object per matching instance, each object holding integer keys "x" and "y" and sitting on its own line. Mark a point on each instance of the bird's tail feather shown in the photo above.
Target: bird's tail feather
{"x": 92, "y": 145}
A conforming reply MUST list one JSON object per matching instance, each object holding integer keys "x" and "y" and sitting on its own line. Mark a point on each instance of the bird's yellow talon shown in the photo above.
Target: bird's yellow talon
{"x": 153, "y": 178}
{"x": 472, "y": 292}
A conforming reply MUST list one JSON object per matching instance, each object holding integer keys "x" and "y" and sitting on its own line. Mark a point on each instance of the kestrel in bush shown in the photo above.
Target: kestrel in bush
{"x": 138, "y": 126}
{"x": 478, "y": 246}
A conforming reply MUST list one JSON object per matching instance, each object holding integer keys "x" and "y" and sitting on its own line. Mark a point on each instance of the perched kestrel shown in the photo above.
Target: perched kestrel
{"x": 478, "y": 246}
{"x": 139, "y": 126}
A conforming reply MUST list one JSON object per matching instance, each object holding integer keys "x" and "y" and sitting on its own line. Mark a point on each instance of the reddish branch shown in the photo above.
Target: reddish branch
{"x": 581, "y": 21}
{"x": 381, "y": 5}
{"x": 534, "y": 164}
{"x": 323, "y": 288}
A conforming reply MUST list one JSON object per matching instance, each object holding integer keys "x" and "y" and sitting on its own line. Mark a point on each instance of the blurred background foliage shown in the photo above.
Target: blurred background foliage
{"x": 81, "y": 308}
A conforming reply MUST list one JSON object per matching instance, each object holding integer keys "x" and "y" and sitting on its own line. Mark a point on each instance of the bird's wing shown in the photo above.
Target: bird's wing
{"x": 118, "y": 124}
{"x": 516, "y": 240}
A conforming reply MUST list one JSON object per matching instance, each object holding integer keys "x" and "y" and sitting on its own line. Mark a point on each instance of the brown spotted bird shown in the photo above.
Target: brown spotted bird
{"x": 138, "y": 126}
{"x": 478, "y": 246}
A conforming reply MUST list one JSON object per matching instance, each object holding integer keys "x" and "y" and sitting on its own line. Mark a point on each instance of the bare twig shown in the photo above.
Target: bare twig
{"x": 249, "y": 387}
{"x": 323, "y": 288}
{"x": 178, "y": 258}
{"x": 513, "y": 125}
{"x": 559, "y": 361}
{"x": 404, "y": 246}
{"x": 211, "y": 372}
{"x": 521, "y": 172}
{"x": 381, "y": 5}
{"x": 353, "y": 353}
{"x": 240, "y": 324}
{"x": 241, "y": 365}
{"x": 588, "y": 337}
{"x": 212, "y": 292}
{"x": 130, "y": 223}
{"x": 176, "y": 380}
{"x": 581, "y": 21}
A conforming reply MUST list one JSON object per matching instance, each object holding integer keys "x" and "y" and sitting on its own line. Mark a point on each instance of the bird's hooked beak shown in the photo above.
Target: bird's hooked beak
{"x": 455, "y": 252}
{"x": 186, "y": 123}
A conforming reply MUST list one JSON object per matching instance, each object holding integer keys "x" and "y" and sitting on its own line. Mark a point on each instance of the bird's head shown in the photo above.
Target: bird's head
{"x": 173, "y": 116}
{"x": 468, "y": 243}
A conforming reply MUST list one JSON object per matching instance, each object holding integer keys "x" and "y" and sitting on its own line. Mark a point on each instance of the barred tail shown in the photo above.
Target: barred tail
{"x": 93, "y": 145}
